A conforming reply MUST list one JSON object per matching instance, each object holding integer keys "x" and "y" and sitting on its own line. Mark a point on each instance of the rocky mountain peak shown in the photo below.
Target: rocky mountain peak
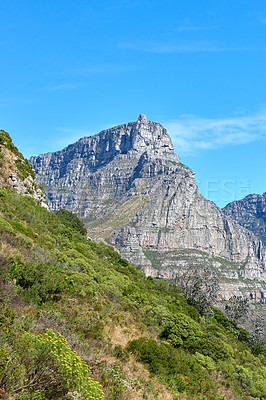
{"x": 134, "y": 138}
{"x": 142, "y": 118}
{"x": 148, "y": 136}
{"x": 127, "y": 141}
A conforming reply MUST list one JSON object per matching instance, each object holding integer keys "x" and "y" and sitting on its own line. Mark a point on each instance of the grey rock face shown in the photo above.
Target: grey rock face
{"x": 250, "y": 212}
{"x": 131, "y": 190}
{"x": 29, "y": 187}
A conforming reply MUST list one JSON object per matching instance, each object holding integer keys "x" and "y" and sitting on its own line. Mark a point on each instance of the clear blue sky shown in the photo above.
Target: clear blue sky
{"x": 72, "y": 68}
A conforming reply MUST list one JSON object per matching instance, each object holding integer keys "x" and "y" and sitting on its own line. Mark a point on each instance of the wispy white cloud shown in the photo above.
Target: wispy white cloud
{"x": 188, "y": 28}
{"x": 102, "y": 69}
{"x": 63, "y": 86}
{"x": 66, "y": 136}
{"x": 185, "y": 47}
{"x": 191, "y": 134}
{"x": 124, "y": 4}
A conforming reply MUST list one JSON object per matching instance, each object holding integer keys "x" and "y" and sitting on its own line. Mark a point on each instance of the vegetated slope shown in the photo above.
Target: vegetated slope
{"x": 250, "y": 212}
{"x": 16, "y": 172}
{"x": 74, "y": 313}
{"x": 131, "y": 190}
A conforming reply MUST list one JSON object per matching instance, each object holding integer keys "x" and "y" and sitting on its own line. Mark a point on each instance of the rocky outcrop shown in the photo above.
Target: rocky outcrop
{"x": 131, "y": 190}
{"x": 16, "y": 172}
{"x": 250, "y": 212}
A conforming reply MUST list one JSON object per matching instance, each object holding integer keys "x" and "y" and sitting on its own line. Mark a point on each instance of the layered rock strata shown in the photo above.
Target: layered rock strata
{"x": 131, "y": 190}
{"x": 250, "y": 212}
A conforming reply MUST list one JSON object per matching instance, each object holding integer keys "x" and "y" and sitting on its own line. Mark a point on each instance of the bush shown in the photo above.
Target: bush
{"x": 181, "y": 329}
{"x": 214, "y": 347}
{"x": 5, "y": 226}
{"x": 162, "y": 359}
{"x": 73, "y": 219}
{"x": 40, "y": 282}
{"x": 46, "y": 363}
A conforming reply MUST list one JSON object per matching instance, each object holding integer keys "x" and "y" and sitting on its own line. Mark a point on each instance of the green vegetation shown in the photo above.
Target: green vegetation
{"x": 74, "y": 313}
{"x": 24, "y": 167}
{"x": 74, "y": 221}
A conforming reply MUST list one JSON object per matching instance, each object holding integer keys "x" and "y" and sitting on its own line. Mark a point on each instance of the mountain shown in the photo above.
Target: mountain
{"x": 131, "y": 190}
{"x": 16, "y": 172}
{"x": 77, "y": 321}
{"x": 250, "y": 212}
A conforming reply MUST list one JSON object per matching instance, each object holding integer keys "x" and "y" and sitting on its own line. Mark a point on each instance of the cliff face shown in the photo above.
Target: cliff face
{"x": 131, "y": 190}
{"x": 16, "y": 173}
{"x": 250, "y": 212}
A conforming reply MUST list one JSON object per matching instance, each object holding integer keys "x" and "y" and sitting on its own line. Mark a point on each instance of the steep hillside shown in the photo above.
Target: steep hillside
{"x": 74, "y": 313}
{"x": 16, "y": 172}
{"x": 250, "y": 212}
{"x": 131, "y": 190}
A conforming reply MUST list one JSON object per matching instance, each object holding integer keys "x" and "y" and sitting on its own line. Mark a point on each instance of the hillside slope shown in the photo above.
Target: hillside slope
{"x": 78, "y": 308}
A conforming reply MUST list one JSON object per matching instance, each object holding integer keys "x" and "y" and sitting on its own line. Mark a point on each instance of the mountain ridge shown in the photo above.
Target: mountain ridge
{"x": 131, "y": 190}
{"x": 250, "y": 212}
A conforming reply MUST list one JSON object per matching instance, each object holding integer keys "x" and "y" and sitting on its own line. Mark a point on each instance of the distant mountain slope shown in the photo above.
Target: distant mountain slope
{"x": 16, "y": 172}
{"x": 250, "y": 212}
{"x": 130, "y": 189}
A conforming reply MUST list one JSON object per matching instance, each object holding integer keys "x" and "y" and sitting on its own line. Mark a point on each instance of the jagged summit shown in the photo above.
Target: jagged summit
{"x": 133, "y": 137}
{"x": 133, "y": 140}
{"x": 142, "y": 118}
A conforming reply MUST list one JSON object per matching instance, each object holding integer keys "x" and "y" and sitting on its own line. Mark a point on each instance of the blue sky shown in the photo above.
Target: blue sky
{"x": 72, "y": 68}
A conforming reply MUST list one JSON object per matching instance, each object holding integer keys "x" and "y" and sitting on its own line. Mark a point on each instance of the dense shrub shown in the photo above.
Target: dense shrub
{"x": 162, "y": 359}
{"x": 40, "y": 282}
{"x": 45, "y": 364}
{"x": 214, "y": 347}
{"x": 73, "y": 219}
{"x": 181, "y": 329}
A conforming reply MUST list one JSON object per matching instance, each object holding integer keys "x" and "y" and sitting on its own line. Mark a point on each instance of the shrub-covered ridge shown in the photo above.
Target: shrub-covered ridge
{"x": 99, "y": 316}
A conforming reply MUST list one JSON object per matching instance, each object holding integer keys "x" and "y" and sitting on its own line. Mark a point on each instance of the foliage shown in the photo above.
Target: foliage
{"x": 180, "y": 329}
{"x": 177, "y": 368}
{"x": 72, "y": 366}
{"x": 53, "y": 277}
{"x": 161, "y": 359}
{"x": 75, "y": 222}
{"x": 40, "y": 282}
{"x": 47, "y": 362}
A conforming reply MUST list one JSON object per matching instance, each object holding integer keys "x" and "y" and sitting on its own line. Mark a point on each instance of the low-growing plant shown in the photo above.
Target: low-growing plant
{"x": 40, "y": 282}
